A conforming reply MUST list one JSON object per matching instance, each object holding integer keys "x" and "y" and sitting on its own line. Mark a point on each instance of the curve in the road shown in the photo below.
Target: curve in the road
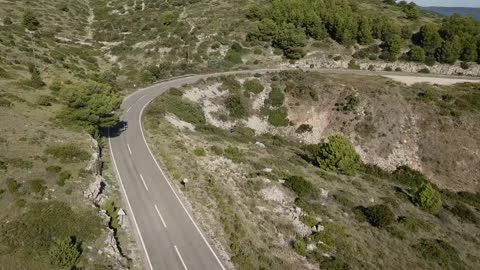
{"x": 165, "y": 228}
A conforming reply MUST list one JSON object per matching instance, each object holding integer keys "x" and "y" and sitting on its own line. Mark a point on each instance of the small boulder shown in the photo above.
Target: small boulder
{"x": 259, "y": 145}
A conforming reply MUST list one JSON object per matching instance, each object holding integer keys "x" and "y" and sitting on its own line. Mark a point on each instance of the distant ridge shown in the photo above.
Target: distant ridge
{"x": 448, "y": 11}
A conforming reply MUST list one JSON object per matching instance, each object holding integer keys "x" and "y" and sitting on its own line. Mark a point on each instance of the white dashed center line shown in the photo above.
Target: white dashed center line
{"x": 129, "y": 150}
{"x": 143, "y": 180}
{"x": 160, "y": 215}
{"x": 180, "y": 257}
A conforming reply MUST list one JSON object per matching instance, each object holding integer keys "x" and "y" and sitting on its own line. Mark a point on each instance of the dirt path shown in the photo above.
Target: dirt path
{"x": 409, "y": 80}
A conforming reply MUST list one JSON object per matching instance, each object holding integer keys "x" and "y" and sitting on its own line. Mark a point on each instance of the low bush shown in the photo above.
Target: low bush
{"x": 45, "y": 100}
{"x": 19, "y": 163}
{"x": 276, "y": 96}
{"x": 336, "y": 154}
{"x": 233, "y": 153}
{"x": 67, "y": 152}
{"x": 20, "y": 202}
{"x": 253, "y": 86}
{"x": 5, "y": 102}
{"x": 236, "y": 107}
{"x": 300, "y": 247}
{"x": 308, "y": 220}
{"x": 424, "y": 70}
{"x": 428, "y": 198}
{"x": 64, "y": 253}
{"x": 216, "y": 150}
{"x": 37, "y": 186}
{"x": 112, "y": 212}
{"x": 410, "y": 177}
{"x": 464, "y": 213}
{"x": 304, "y": 128}
{"x": 63, "y": 177}
{"x": 12, "y": 185}
{"x": 278, "y": 117}
{"x": 412, "y": 224}
{"x": 53, "y": 169}
{"x": 441, "y": 253}
{"x": 379, "y": 215}
{"x": 200, "y": 152}
{"x": 229, "y": 83}
{"x": 353, "y": 65}
{"x": 300, "y": 186}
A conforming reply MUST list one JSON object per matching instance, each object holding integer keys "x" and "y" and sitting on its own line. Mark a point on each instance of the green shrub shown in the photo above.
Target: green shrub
{"x": 168, "y": 17}
{"x": 409, "y": 177}
{"x": 3, "y": 166}
{"x": 37, "y": 186}
{"x": 303, "y": 128}
{"x": 353, "y": 65}
{"x": 428, "y": 198}
{"x": 5, "y": 102}
{"x": 64, "y": 253}
{"x": 20, "y": 202}
{"x": 308, "y": 220}
{"x": 276, "y": 96}
{"x": 229, "y": 83}
{"x": 278, "y": 117}
{"x": 55, "y": 86}
{"x": 236, "y": 106}
{"x": 63, "y": 177}
{"x": 253, "y": 86}
{"x": 299, "y": 185}
{"x": 416, "y": 54}
{"x": 175, "y": 92}
{"x": 464, "y": 213}
{"x": 216, "y": 150}
{"x": 300, "y": 247}
{"x": 68, "y": 152}
{"x": 243, "y": 134}
{"x": 45, "y": 100}
{"x": 336, "y": 154}
{"x": 185, "y": 110}
{"x": 112, "y": 212}
{"x": 233, "y": 153}
{"x": 12, "y": 185}
{"x": 412, "y": 224}
{"x": 424, "y": 70}
{"x": 441, "y": 253}
{"x": 379, "y": 215}
{"x": 350, "y": 104}
{"x": 200, "y": 152}
{"x": 19, "y": 163}
{"x": 53, "y": 169}
{"x": 233, "y": 57}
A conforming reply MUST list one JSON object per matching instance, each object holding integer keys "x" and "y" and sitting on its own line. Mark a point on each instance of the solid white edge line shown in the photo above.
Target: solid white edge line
{"x": 181, "y": 259}
{"x": 143, "y": 180}
{"x": 171, "y": 187}
{"x": 128, "y": 202}
{"x": 160, "y": 215}
{"x": 129, "y": 150}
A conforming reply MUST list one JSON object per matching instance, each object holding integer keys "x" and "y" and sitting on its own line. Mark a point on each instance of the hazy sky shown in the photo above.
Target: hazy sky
{"x": 448, "y": 3}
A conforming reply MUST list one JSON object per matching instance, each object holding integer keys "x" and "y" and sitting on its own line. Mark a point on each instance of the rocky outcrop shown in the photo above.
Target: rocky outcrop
{"x": 95, "y": 191}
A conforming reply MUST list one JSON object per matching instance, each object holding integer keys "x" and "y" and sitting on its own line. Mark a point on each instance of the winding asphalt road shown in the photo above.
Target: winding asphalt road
{"x": 165, "y": 230}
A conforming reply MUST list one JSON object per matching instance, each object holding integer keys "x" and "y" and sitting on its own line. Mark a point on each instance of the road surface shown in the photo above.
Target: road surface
{"x": 166, "y": 231}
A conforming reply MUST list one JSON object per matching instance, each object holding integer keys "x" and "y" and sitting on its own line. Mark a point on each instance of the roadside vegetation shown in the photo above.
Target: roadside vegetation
{"x": 294, "y": 197}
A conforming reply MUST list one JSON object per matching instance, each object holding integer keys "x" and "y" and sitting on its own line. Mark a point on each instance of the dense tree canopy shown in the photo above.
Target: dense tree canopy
{"x": 289, "y": 23}
{"x": 90, "y": 105}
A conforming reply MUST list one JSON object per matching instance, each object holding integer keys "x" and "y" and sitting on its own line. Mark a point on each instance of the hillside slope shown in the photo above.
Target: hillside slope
{"x": 273, "y": 177}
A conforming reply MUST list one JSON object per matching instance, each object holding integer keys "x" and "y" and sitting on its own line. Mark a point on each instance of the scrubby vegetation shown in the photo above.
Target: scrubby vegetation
{"x": 336, "y": 154}
{"x": 286, "y": 195}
